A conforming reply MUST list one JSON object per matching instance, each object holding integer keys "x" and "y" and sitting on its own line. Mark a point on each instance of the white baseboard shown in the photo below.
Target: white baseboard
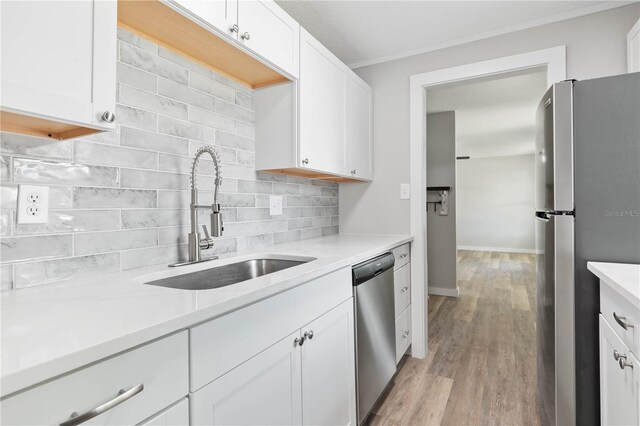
{"x": 498, "y": 249}
{"x": 439, "y": 291}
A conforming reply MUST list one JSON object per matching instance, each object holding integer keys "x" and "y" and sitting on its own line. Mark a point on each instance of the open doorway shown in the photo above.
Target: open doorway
{"x": 480, "y": 168}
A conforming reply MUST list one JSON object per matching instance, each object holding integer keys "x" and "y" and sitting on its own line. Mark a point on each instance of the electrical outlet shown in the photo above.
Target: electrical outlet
{"x": 33, "y": 204}
{"x": 275, "y": 205}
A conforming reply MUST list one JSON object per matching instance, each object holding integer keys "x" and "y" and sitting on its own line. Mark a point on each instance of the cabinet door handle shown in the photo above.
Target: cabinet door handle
{"x": 403, "y": 255}
{"x": 404, "y": 289}
{"x": 622, "y": 321}
{"x": 108, "y": 117}
{"x": 122, "y": 396}
{"x": 623, "y": 363}
{"x": 305, "y": 161}
{"x": 405, "y": 334}
{"x": 299, "y": 341}
{"x": 353, "y": 172}
{"x": 308, "y": 334}
{"x": 245, "y": 36}
{"x": 234, "y": 28}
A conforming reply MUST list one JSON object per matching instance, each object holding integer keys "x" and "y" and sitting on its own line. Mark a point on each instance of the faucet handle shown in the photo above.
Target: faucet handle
{"x": 206, "y": 233}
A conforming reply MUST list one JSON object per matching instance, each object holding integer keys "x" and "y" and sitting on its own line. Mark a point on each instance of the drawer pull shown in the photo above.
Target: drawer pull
{"x": 404, "y": 289}
{"x": 123, "y": 395}
{"x": 622, "y": 321}
{"x": 299, "y": 341}
{"x": 405, "y": 334}
{"x": 308, "y": 334}
{"x": 617, "y": 356}
{"x": 403, "y": 255}
{"x": 623, "y": 363}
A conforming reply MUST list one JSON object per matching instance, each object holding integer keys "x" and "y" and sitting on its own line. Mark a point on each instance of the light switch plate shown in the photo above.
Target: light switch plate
{"x": 275, "y": 205}
{"x": 405, "y": 191}
{"x": 33, "y": 204}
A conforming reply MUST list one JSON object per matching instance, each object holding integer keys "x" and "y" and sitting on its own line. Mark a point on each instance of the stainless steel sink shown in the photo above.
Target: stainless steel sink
{"x": 233, "y": 273}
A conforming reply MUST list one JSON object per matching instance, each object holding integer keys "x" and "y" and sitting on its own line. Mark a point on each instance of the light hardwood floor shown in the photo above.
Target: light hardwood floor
{"x": 481, "y": 364}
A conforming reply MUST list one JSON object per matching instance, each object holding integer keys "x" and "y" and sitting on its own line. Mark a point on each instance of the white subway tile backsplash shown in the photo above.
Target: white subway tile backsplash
{"x": 13, "y": 143}
{"x": 52, "y": 172}
{"x": 151, "y": 102}
{"x": 147, "y": 61}
{"x": 40, "y": 247}
{"x": 67, "y": 221}
{"x": 136, "y": 77}
{"x": 50, "y": 271}
{"x": 109, "y": 155}
{"x": 209, "y": 85}
{"x": 102, "y": 242}
{"x": 153, "y": 141}
{"x": 120, "y": 200}
{"x": 93, "y": 198}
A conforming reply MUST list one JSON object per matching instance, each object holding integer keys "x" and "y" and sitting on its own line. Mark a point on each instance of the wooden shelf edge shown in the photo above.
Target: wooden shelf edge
{"x": 310, "y": 174}
{"x": 40, "y": 127}
{"x": 159, "y": 23}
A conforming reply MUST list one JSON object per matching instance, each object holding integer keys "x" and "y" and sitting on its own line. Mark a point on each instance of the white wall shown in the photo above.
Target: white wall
{"x": 596, "y": 46}
{"x": 496, "y": 201}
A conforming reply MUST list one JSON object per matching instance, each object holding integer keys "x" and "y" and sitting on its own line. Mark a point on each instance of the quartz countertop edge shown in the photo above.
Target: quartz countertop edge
{"x": 54, "y": 329}
{"x": 622, "y": 277}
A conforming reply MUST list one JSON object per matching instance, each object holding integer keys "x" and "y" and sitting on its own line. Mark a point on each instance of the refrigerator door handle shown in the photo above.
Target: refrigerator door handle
{"x": 542, "y": 215}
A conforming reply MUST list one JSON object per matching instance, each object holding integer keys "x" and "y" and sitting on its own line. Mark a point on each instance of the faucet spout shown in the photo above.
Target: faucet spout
{"x": 196, "y": 242}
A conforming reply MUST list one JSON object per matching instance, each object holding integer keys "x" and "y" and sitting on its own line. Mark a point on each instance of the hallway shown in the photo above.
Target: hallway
{"x": 481, "y": 365}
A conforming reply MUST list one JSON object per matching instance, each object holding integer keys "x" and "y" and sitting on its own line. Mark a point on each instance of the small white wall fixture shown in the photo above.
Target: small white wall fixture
{"x": 553, "y": 59}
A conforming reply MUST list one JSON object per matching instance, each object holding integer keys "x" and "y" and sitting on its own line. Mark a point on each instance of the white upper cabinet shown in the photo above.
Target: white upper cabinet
{"x": 221, "y": 14}
{"x": 359, "y": 129}
{"x": 319, "y": 126}
{"x": 261, "y": 26}
{"x": 323, "y": 92}
{"x": 58, "y": 64}
{"x": 267, "y": 30}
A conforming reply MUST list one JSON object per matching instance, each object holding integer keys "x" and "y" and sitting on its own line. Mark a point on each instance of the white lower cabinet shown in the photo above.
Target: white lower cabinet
{"x": 265, "y": 390}
{"x": 306, "y": 378}
{"x": 328, "y": 369}
{"x": 619, "y": 379}
{"x": 175, "y": 415}
{"x": 154, "y": 376}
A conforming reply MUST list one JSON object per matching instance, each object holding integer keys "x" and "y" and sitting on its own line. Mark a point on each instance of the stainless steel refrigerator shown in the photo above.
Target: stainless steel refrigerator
{"x": 587, "y": 201}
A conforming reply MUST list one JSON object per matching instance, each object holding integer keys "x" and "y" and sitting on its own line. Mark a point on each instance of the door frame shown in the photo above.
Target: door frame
{"x": 554, "y": 59}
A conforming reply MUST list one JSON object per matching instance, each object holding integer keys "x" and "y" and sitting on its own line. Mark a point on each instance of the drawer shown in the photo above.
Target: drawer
{"x": 178, "y": 414}
{"x": 611, "y": 302}
{"x": 222, "y": 344}
{"x": 402, "y": 288}
{"x": 403, "y": 333}
{"x": 401, "y": 255}
{"x": 161, "y": 367}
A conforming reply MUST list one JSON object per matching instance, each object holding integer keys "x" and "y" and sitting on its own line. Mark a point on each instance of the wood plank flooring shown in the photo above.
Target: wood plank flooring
{"x": 481, "y": 364}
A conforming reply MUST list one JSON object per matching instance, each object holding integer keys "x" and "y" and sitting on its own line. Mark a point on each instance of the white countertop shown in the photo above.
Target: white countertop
{"x": 50, "y": 330}
{"x": 622, "y": 277}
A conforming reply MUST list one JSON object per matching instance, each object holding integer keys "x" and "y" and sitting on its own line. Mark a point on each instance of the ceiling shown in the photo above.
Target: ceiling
{"x": 366, "y": 32}
{"x": 494, "y": 117}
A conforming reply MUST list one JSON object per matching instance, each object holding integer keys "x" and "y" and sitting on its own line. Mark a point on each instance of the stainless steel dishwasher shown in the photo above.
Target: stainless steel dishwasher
{"x": 375, "y": 330}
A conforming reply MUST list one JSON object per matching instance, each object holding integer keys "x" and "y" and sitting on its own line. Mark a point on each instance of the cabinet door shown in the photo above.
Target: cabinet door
{"x": 268, "y": 31}
{"x": 220, "y": 14}
{"x": 328, "y": 369}
{"x": 635, "y": 391}
{"x": 59, "y": 60}
{"x": 265, "y": 390}
{"x": 172, "y": 416}
{"x": 323, "y": 88}
{"x": 617, "y": 399}
{"x": 359, "y": 134}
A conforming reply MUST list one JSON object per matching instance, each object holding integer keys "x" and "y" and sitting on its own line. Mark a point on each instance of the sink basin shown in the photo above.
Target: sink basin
{"x": 232, "y": 273}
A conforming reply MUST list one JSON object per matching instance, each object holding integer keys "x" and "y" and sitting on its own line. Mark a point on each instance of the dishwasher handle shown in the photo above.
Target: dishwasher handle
{"x": 369, "y": 269}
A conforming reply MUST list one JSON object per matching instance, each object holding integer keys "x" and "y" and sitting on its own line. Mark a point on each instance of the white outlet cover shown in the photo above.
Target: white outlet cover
{"x": 33, "y": 204}
{"x": 275, "y": 205}
{"x": 405, "y": 191}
